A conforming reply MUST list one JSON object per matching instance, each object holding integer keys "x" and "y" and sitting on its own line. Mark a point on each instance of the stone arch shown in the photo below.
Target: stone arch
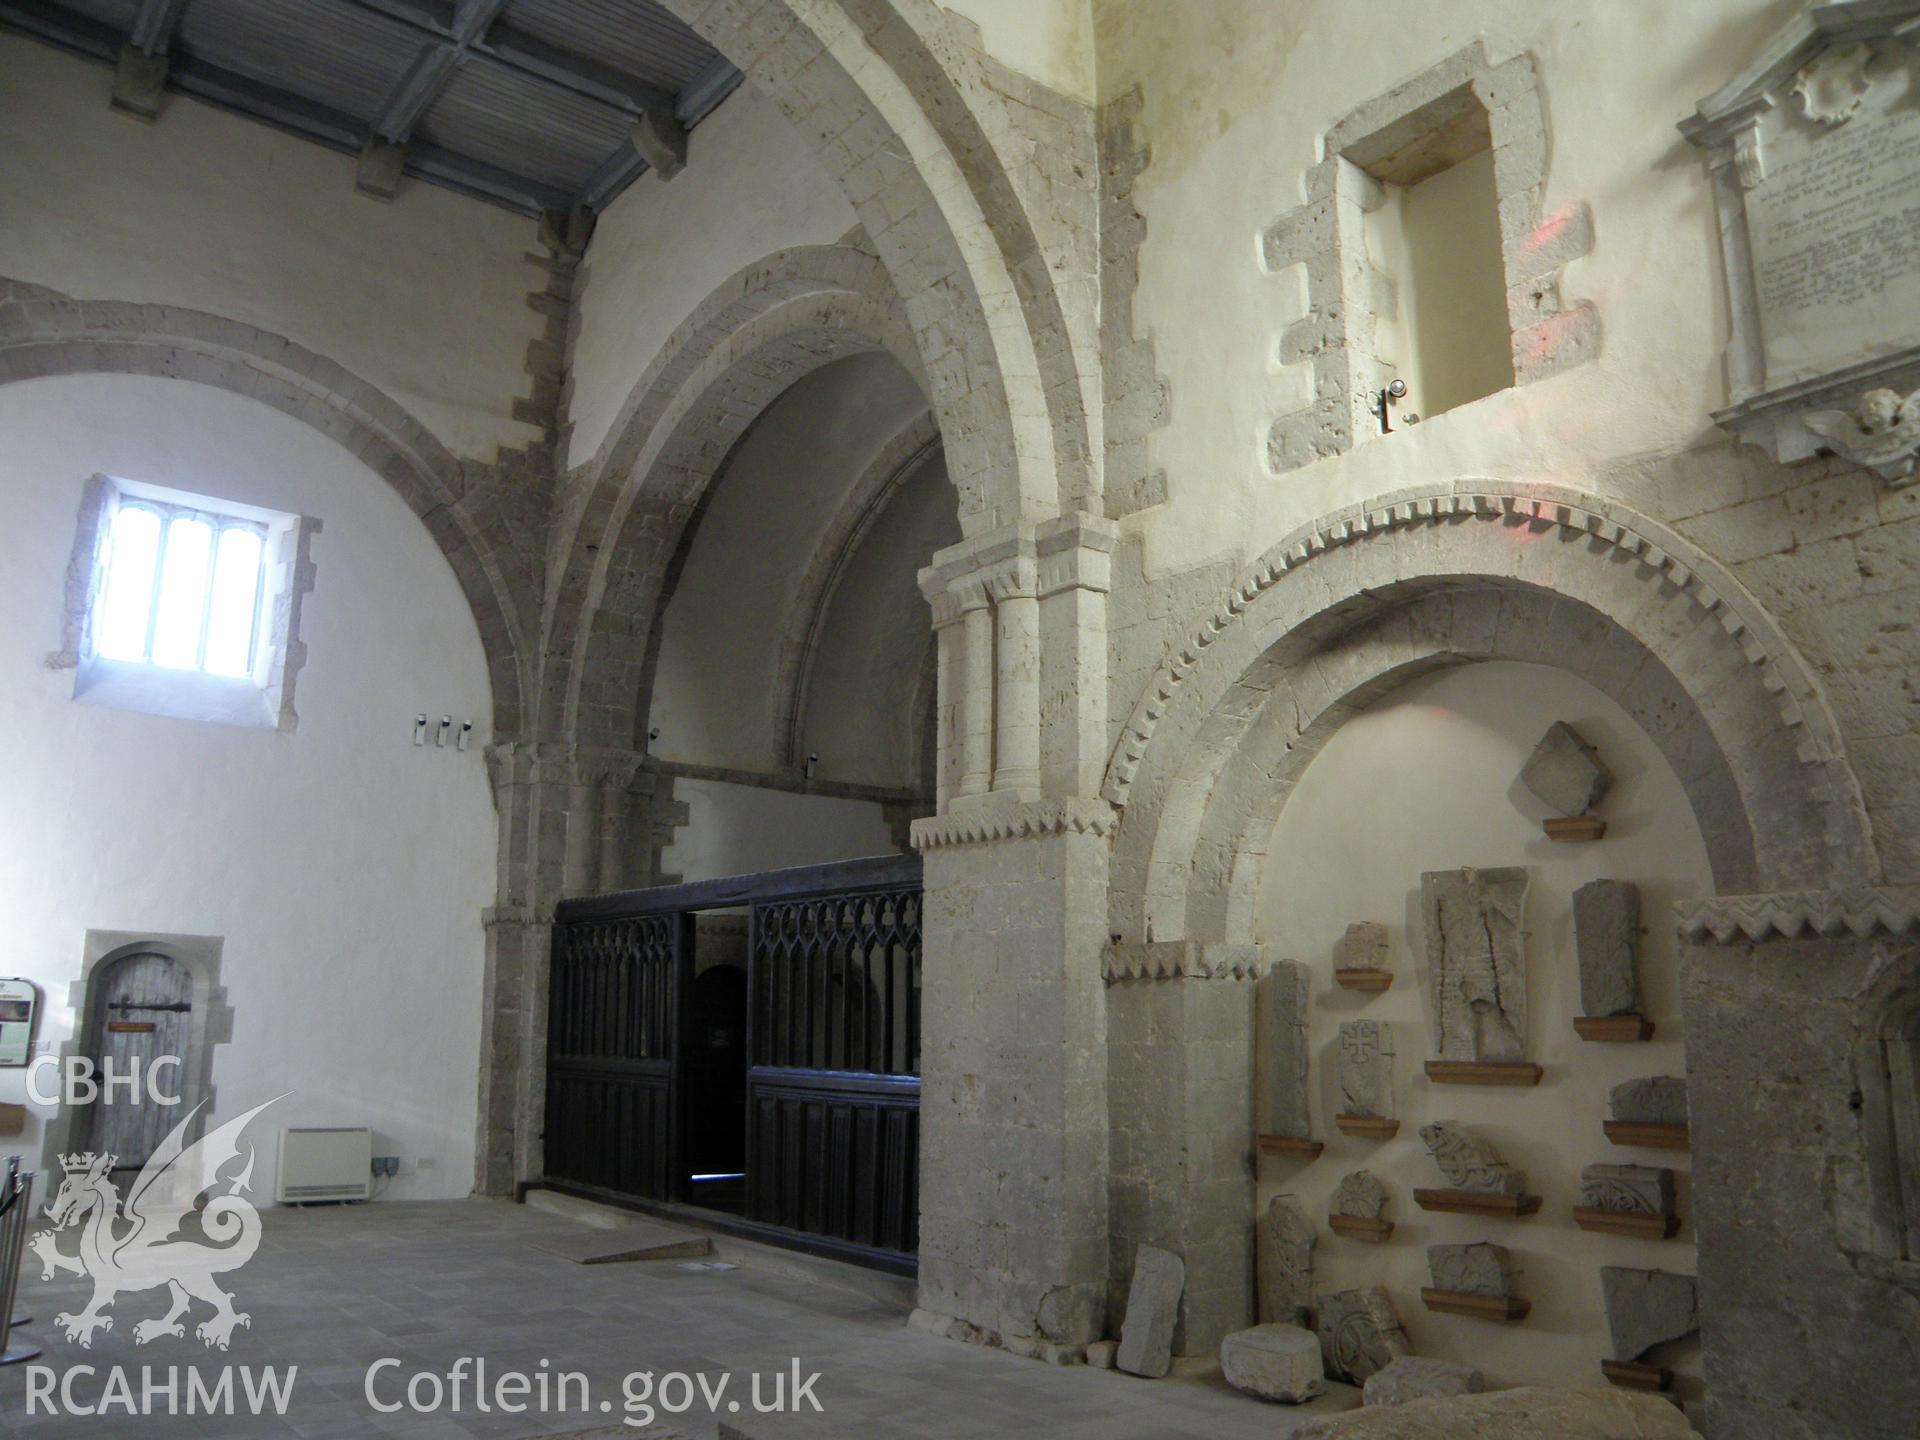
{"x": 900, "y": 115}
{"x": 56, "y": 336}
{"x": 1361, "y": 601}
{"x": 900, "y": 460}
{"x": 767, "y": 327}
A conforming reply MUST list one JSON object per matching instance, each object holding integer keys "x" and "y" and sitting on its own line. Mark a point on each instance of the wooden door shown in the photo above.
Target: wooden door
{"x": 142, "y": 1011}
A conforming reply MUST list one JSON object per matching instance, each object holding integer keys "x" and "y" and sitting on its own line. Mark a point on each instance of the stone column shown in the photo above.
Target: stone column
{"x": 976, "y": 689}
{"x": 561, "y": 812}
{"x": 1016, "y": 731}
{"x": 1073, "y": 576}
{"x": 949, "y": 683}
{"x": 1787, "y": 1001}
{"x": 1013, "y": 1117}
{"x": 1180, "y": 1024}
{"x": 617, "y": 772}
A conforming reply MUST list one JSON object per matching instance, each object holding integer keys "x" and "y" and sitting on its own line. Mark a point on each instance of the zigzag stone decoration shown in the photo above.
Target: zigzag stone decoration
{"x": 1180, "y": 960}
{"x": 1047, "y": 817}
{"x": 1803, "y": 914}
{"x": 1665, "y": 556}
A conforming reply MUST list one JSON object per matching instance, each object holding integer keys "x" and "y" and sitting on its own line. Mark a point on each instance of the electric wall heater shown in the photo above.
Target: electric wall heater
{"x": 325, "y": 1163}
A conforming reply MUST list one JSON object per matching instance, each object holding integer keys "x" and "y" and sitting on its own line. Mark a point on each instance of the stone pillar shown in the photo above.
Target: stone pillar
{"x": 1073, "y": 576}
{"x": 1180, "y": 1025}
{"x": 1804, "y": 1285}
{"x": 562, "y": 820}
{"x": 976, "y": 690}
{"x": 1013, "y": 1115}
{"x": 1016, "y": 699}
{"x": 950, "y": 682}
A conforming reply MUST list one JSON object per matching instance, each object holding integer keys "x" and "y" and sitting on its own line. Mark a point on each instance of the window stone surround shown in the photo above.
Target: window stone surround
{"x": 1458, "y": 107}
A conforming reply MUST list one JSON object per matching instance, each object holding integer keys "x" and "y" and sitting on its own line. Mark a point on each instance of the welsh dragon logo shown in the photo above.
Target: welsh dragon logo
{"x": 134, "y": 1245}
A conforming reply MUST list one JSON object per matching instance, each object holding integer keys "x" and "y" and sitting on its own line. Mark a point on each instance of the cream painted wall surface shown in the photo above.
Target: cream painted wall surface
{"x": 751, "y": 187}
{"x": 743, "y": 829}
{"x": 876, "y": 642}
{"x": 1046, "y": 40}
{"x": 763, "y": 526}
{"x": 1237, "y": 95}
{"x": 345, "y": 869}
{"x": 1427, "y": 781}
{"x": 424, "y": 297}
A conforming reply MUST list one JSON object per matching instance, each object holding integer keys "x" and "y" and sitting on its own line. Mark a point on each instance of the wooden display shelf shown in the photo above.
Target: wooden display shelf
{"x": 1615, "y": 1029}
{"x": 1641, "y": 1223}
{"x": 1473, "y": 1202}
{"x": 1629, "y": 1376}
{"x": 1505, "y": 1308}
{"x": 1298, "y": 1146}
{"x": 1367, "y": 1127}
{"x": 1647, "y": 1133}
{"x": 1575, "y": 827}
{"x": 1484, "y": 1072}
{"x": 1365, "y": 979}
{"x": 1359, "y": 1227}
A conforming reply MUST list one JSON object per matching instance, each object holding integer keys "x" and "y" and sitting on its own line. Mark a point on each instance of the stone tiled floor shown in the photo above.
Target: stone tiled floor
{"x": 333, "y": 1290}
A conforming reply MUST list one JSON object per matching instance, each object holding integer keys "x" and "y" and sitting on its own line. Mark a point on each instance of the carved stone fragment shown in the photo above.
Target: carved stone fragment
{"x": 1656, "y": 1100}
{"x": 1360, "y": 1194}
{"x": 1366, "y": 1068}
{"x": 1417, "y": 1377}
{"x": 1480, "y": 1269}
{"x": 1634, "y": 1189}
{"x": 1153, "y": 1304}
{"x": 1469, "y": 1163}
{"x": 1606, "y": 934}
{"x": 1285, "y": 1253}
{"x": 1475, "y": 961}
{"x": 1359, "y": 1333}
{"x": 1363, "y": 947}
{"x": 1286, "y": 1047}
{"x": 1275, "y": 1362}
{"x": 1564, "y": 772}
{"x": 1646, "y": 1308}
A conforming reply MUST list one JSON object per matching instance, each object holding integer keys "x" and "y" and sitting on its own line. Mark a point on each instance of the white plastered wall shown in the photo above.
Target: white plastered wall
{"x": 345, "y": 869}
{"x": 751, "y": 187}
{"x": 764, "y": 523}
{"x": 1236, "y": 95}
{"x": 423, "y": 297}
{"x": 742, "y": 829}
{"x": 1427, "y": 781}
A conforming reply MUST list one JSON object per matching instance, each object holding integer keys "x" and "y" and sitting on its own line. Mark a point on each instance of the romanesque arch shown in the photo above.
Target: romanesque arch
{"x": 901, "y": 117}
{"x": 767, "y": 327}
{"x": 1361, "y": 601}
{"x": 57, "y": 336}
{"x": 901, "y": 459}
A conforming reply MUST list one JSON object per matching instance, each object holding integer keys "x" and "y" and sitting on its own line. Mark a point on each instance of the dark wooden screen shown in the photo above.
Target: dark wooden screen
{"x": 833, "y": 1095}
{"x": 612, "y": 1015}
{"x": 833, "y": 1049}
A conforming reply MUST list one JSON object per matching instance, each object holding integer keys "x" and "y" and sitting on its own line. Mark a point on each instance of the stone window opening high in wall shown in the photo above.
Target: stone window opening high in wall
{"x": 185, "y": 605}
{"x": 1429, "y": 257}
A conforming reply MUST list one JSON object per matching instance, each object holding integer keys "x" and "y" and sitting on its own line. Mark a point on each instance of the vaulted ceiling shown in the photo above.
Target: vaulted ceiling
{"x": 532, "y": 104}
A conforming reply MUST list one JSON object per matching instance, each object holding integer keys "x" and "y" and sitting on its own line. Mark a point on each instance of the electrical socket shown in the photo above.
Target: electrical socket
{"x": 387, "y": 1165}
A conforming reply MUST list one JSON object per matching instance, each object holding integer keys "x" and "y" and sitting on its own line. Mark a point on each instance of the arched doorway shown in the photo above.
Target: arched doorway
{"x": 139, "y": 1028}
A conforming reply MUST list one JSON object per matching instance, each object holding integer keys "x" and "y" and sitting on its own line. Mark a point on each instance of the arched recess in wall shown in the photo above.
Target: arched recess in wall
{"x": 799, "y": 566}
{"x": 1359, "y": 603}
{"x": 46, "y": 337}
{"x": 905, "y": 458}
{"x": 900, "y": 116}
{"x": 757, "y": 335}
